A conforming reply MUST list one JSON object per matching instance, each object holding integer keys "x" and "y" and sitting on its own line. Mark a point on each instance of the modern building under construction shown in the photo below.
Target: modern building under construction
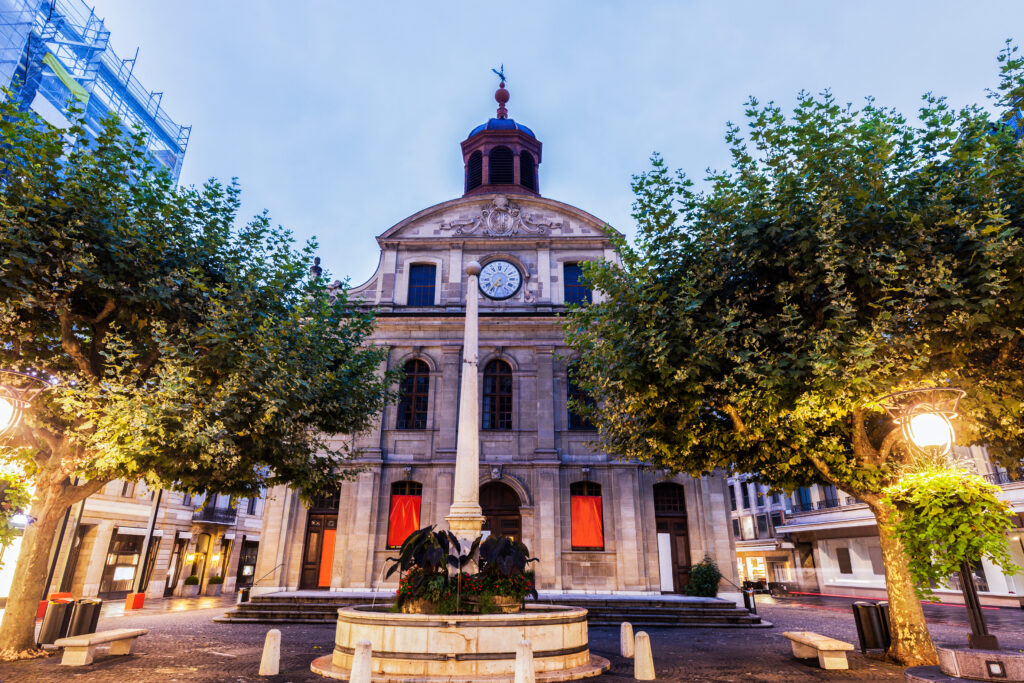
{"x": 57, "y": 53}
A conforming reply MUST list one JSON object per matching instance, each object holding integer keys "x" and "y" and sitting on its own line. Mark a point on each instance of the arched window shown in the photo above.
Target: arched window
{"x": 500, "y": 170}
{"x": 404, "y": 511}
{"x": 577, "y": 291}
{"x": 421, "y": 284}
{"x": 527, "y": 171}
{"x": 587, "y": 516}
{"x": 575, "y": 393}
{"x": 497, "y": 408}
{"x": 412, "y": 401}
{"x": 474, "y": 170}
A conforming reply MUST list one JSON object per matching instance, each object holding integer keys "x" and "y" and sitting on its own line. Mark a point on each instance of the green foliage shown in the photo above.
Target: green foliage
{"x": 503, "y": 563}
{"x": 186, "y": 349}
{"x": 15, "y": 496}
{"x": 215, "y": 580}
{"x": 846, "y": 253}
{"x": 704, "y": 578}
{"x": 192, "y": 580}
{"x": 947, "y": 516}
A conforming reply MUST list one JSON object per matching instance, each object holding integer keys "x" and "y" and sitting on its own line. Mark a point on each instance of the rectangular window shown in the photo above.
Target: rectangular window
{"x": 128, "y": 489}
{"x": 777, "y": 520}
{"x": 748, "y": 527}
{"x": 403, "y": 518}
{"x": 760, "y": 495}
{"x": 843, "y": 559}
{"x": 736, "y": 528}
{"x": 587, "y": 517}
{"x": 830, "y": 497}
{"x": 421, "y": 284}
{"x": 877, "y": 566}
{"x": 762, "y": 526}
{"x": 803, "y": 499}
{"x": 745, "y": 494}
{"x": 251, "y": 507}
{"x": 576, "y": 289}
{"x": 732, "y": 497}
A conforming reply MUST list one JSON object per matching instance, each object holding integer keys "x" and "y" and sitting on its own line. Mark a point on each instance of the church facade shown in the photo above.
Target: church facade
{"x": 595, "y": 523}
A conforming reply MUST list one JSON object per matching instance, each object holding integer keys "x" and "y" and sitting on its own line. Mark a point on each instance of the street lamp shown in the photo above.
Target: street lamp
{"x": 926, "y": 418}
{"x": 17, "y": 390}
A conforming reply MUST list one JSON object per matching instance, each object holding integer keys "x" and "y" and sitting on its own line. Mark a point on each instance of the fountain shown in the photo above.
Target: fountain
{"x": 464, "y": 648}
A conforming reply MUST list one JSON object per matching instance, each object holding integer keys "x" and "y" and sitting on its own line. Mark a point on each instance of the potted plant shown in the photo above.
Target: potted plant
{"x": 704, "y": 578}
{"x": 214, "y": 585}
{"x": 191, "y": 587}
{"x": 503, "y": 581}
{"x": 426, "y": 586}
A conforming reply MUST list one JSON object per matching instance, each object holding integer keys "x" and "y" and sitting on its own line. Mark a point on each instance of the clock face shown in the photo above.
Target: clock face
{"x": 500, "y": 279}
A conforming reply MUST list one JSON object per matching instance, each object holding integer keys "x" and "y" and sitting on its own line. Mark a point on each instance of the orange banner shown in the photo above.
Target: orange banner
{"x": 587, "y": 530}
{"x": 326, "y": 559}
{"x": 403, "y": 519}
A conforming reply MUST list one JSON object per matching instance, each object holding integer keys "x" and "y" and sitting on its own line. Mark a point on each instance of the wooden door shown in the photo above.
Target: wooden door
{"x": 670, "y": 518}
{"x": 500, "y": 505}
{"x": 318, "y": 551}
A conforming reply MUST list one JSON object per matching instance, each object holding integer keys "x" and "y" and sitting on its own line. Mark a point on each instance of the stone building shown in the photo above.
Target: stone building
{"x": 595, "y": 524}
{"x": 103, "y": 536}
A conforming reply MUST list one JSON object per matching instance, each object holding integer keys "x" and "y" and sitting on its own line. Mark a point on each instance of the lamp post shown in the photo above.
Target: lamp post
{"x": 926, "y": 418}
{"x": 17, "y": 391}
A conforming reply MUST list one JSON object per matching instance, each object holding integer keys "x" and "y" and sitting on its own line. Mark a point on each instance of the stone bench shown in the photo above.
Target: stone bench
{"x": 79, "y": 650}
{"x": 831, "y": 653}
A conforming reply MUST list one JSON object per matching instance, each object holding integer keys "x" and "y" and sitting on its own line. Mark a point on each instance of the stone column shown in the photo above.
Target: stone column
{"x": 546, "y": 404}
{"x": 464, "y": 517}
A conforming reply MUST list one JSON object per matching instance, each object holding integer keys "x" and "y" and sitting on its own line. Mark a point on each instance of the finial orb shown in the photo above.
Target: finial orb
{"x": 473, "y": 268}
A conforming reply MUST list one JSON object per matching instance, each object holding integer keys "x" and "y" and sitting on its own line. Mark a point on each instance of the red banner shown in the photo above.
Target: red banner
{"x": 403, "y": 519}
{"x": 587, "y": 530}
{"x": 326, "y": 559}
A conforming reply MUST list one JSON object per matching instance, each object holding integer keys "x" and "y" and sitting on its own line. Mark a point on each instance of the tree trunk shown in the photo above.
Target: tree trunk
{"x": 911, "y": 643}
{"x": 17, "y": 630}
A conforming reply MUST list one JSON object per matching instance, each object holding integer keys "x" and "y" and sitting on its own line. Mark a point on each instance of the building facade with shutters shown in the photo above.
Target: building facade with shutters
{"x": 596, "y": 524}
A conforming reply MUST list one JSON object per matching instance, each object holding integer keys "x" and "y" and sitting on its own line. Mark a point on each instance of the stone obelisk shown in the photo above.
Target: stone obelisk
{"x": 464, "y": 517}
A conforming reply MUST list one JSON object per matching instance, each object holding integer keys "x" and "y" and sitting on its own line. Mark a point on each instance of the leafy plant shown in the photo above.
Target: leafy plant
{"x": 704, "y": 578}
{"x": 192, "y": 580}
{"x": 947, "y": 516}
{"x": 425, "y": 557}
{"x": 502, "y": 563}
{"x": 215, "y": 580}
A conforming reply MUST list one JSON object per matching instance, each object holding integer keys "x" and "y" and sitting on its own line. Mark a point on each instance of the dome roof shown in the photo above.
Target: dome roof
{"x": 501, "y": 124}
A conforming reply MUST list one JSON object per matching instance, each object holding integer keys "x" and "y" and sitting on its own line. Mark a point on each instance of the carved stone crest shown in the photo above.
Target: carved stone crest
{"x": 501, "y": 219}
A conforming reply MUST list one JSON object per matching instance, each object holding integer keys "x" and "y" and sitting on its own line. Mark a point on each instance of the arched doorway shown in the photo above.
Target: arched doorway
{"x": 318, "y": 549}
{"x": 673, "y": 536}
{"x": 500, "y": 504}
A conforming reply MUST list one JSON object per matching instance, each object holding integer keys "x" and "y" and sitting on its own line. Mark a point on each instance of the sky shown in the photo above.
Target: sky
{"x": 341, "y": 119}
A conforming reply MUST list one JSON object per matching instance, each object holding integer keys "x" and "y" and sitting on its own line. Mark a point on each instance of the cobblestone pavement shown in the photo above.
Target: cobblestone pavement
{"x": 185, "y": 645}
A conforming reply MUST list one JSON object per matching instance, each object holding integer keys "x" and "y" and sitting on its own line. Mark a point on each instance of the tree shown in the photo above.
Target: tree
{"x": 181, "y": 349}
{"x": 845, "y": 253}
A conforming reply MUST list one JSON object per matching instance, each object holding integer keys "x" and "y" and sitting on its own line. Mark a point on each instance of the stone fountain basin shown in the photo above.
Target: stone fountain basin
{"x": 463, "y": 647}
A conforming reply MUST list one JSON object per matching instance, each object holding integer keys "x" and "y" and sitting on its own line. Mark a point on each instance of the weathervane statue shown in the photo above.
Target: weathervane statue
{"x": 465, "y": 518}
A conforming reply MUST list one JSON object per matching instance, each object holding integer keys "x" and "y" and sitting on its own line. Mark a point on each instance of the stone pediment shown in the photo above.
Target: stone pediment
{"x": 497, "y": 216}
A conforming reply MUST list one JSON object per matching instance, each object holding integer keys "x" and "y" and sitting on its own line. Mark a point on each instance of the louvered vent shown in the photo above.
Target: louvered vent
{"x": 527, "y": 171}
{"x": 475, "y": 171}
{"x": 501, "y": 172}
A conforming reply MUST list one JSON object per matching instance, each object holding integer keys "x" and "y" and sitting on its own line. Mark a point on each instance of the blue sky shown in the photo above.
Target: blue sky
{"x": 343, "y": 118}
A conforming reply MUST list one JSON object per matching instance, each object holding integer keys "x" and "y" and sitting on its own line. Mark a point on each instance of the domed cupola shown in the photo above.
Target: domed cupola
{"x": 501, "y": 155}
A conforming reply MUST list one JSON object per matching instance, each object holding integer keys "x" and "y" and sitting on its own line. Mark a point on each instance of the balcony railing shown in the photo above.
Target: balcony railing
{"x": 215, "y": 514}
{"x": 1005, "y": 477}
{"x": 826, "y": 504}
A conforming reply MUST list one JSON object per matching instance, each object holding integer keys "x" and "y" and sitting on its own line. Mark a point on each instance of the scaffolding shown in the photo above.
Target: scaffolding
{"x": 83, "y": 67}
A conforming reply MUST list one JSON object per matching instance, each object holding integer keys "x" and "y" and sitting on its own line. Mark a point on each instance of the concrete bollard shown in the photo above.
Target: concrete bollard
{"x": 643, "y": 664}
{"x": 626, "y": 639}
{"x": 524, "y": 663}
{"x": 361, "y": 670}
{"x": 270, "y": 664}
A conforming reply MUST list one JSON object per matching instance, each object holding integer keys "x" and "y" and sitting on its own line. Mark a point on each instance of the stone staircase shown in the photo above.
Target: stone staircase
{"x": 308, "y": 607}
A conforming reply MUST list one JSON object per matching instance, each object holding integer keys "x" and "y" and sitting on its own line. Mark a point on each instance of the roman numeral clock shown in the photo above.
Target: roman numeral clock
{"x": 500, "y": 279}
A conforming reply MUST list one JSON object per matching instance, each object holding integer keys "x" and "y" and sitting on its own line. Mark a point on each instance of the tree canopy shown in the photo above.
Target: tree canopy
{"x": 182, "y": 348}
{"x": 846, "y": 253}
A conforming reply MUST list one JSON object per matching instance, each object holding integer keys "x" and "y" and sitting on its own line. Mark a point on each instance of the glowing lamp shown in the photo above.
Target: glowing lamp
{"x": 191, "y": 557}
{"x": 925, "y": 417}
{"x": 931, "y": 432}
{"x": 215, "y": 558}
{"x": 16, "y": 393}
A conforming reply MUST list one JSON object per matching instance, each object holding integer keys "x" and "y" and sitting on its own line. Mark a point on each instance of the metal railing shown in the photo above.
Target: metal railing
{"x": 216, "y": 515}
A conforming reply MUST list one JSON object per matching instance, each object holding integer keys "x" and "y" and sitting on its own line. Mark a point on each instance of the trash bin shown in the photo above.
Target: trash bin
{"x": 748, "y": 600}
{"x": 243, "y": 595}
{"x": 883, "y": 609}
{"x": 84, "y": 616}
{"x": 871, "y": 631}
{"x": 55, "y": 621}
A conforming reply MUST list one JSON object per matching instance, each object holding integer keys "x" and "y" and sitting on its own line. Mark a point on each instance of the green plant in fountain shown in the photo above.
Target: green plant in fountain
{"x": 704, "y": 578}
{"x": 503, "y": 562}
{"x": 424, "y": 560}
{"x": 946, "y": 516}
